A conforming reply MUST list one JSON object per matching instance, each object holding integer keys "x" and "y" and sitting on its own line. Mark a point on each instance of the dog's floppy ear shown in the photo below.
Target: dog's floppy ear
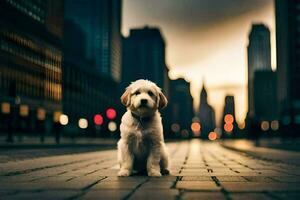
{"x": 125, "y": 98}
{"x": 162, "y": 102}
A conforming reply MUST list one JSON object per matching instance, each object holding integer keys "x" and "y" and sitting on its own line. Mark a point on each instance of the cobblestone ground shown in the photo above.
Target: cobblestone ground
{"x": 200, "y": 170}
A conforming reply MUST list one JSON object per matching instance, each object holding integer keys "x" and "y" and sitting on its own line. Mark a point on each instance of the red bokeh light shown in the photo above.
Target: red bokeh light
{"x": 111, "y": 113}
{"x": 98, "y": 119}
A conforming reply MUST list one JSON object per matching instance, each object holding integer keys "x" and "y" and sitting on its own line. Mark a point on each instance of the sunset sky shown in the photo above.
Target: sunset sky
{"x": 205, "y": 40}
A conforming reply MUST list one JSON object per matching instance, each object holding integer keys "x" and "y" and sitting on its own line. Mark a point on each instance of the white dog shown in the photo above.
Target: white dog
{"x": 142, "y": 146}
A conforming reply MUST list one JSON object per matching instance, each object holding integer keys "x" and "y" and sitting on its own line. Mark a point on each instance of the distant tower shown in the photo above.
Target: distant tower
{"x": 229, "y": 124}
{"x": 180, "y": 108}
{"x": 259, "y": 58}
{"x": 206, "y": 114}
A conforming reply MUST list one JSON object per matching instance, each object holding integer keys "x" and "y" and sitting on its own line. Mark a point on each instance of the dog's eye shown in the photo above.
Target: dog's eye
{"x": 137, "y": 93}
{"x": 150, "y": 93}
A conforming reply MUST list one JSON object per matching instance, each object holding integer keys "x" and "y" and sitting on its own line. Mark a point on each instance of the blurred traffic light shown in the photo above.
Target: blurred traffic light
{"x": 98, "y": 119}
{"x": 111, "y": 113}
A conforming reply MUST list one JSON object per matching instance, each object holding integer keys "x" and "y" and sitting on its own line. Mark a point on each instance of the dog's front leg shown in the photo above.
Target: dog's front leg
{"x": 125, "y": 158}
{"x": 153, "y": 167}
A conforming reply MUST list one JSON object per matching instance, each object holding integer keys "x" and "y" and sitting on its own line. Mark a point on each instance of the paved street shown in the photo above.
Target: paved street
{"x": 200, "y": 170}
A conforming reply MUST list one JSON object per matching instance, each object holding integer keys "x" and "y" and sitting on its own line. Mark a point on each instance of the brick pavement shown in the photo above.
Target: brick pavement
{"x": 200, "y": 170}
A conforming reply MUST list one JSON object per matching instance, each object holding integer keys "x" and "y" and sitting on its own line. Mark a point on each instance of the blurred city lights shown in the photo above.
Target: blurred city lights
{"x": 184, "y": 133}
{"x": 24, "y": 110}
{"x": 264, "y": 125}
{"x": 195, "y": 126}
{"x": 112, "y": 126}
{"x": 274, "y": 125}
{"x": 63, "y": 119}
{"x": 5, "y": 108}
{"x": 98, "y": 119}
{"x": 82, "y": 123}
{"x": 111, "y": 113}
{"x": 212, "y": 136}
{"x": 56, "y": 116}
{"x": 228, "y": 127}
{"x": 228, "y": 119}
{"x": 41, "y": 114}
{"x": 175, "y": 128}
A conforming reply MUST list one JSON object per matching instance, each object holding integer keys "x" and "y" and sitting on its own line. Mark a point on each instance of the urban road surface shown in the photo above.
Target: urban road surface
{"x": 200, "y": 170}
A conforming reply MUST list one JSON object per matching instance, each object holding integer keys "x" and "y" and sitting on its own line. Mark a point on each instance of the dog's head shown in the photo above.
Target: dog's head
{"x": 143, "y": 98}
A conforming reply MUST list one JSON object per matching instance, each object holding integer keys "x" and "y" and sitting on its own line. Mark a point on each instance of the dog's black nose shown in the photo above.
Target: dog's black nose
{"x": 144, "y": 101}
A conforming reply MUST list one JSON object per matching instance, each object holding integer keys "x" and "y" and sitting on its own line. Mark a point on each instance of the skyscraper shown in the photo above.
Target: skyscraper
{"x": 31, "y": 57}
{"x": 87, "y": 88}
{"x": 144, "y": 56}
{"x": 229, "y": 124}
{"x": 180, "y": 107}
{"x": 288, "y": 63}
{"x": 206, "y": 114}
{"x": 100, "y": 21}
{"x": 265, "y": 96}
{"x": 259, "y": 58}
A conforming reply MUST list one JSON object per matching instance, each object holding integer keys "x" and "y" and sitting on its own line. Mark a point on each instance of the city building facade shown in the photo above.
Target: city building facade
{"x": 259, "y": 58}
{"x": 180, "y": 109}
{"x": 144, "y": 57}
{"x": 31, "y": 34}
{"x": 288, "y": 62}
{"x": 100, "y": 21}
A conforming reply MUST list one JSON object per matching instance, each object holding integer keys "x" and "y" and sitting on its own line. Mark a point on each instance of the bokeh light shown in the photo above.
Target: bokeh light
{"x": 264, "y": 125}
{"x": 274, "y": 125}
{"x": 195, "y": 126}
{"x": 98, "y": 119}
{"x": 228, "y": 127}
{"x": 111, "y": 113}
{"x": 184, "y": 133}
{"x": 63, "y": 119}
{"x": 41, "y": 114}
{"x": 175, "y": 127}
{"x": 82, "y": 123}
{"x": 228, "y": 119}
{"x": 112, "y": 126}
{"x": 5, "y": 108}
{"x": 24, "y": 110}
{"x": 212, "y": 136}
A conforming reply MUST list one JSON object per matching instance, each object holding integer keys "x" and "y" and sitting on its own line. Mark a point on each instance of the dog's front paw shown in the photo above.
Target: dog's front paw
{"x": 124, "y": 172}
{"x": 154, "y": 173}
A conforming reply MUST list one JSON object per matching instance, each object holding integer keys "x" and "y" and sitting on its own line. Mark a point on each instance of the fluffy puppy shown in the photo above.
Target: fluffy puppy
{"x": 142, "y": 146}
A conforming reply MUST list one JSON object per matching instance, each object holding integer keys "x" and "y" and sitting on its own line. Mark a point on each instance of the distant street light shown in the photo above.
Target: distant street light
{"x": 274, "y": 125}
{"x": 41, "y": 114}
{"x": 111, "y": 113}
{"x": 196, "y": 127}
{"x": 112, "y": 126}
{"x": 24, "y": 110}
{"x": 63, "y": 119}
{"x": 212, "y": 136}
{"x": 264, "y": 125}
{"x": 5, "y": 108}
{"x": 82, "y": 123}
{"x": 98, "y": 119}
{"x": 175, "y": 127}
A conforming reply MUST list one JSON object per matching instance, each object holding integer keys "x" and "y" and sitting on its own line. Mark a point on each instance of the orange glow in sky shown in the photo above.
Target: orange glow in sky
{"x": 213, "y": 50}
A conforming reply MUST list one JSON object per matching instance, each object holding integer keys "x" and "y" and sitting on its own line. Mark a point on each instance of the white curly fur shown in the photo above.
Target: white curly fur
{"x": 142, "y": 146}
